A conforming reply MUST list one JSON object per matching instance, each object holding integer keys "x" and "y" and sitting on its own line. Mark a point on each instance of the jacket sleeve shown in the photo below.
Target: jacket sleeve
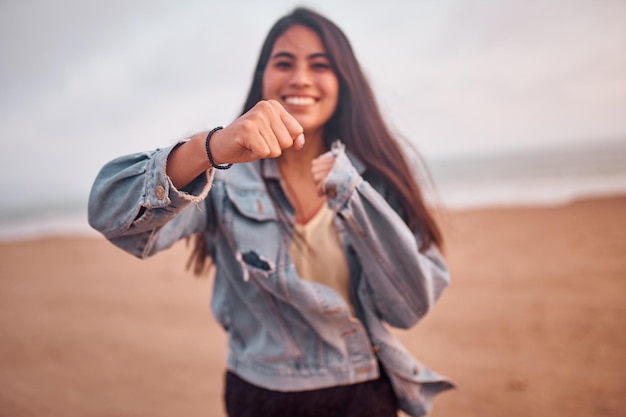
{"x": 404, "y": 282}
{"x": 134, "y": 204}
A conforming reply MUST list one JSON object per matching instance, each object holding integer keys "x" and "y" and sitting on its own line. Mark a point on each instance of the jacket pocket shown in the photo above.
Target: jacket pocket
{"x": 250, "y": 219}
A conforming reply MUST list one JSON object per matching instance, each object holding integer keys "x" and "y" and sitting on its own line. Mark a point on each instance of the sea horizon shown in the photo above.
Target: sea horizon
{"x": 539, "y": 177}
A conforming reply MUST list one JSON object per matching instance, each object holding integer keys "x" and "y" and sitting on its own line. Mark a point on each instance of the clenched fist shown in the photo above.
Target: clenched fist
{"x": 263, "y": 132}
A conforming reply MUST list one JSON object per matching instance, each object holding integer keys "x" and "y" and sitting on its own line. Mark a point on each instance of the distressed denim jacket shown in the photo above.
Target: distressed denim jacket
{"x": 286, "y": 333}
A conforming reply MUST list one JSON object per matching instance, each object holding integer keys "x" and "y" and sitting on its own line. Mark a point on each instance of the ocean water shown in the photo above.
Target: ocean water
{"x": 547, "y": 176}
{"x": 538, "y": 177}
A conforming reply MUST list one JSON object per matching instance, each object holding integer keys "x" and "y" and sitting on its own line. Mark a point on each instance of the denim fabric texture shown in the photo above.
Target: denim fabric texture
{"x": 287, "y": 334}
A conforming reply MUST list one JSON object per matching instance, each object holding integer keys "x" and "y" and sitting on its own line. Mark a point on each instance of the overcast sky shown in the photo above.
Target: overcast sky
{"x": 84, "y": 81}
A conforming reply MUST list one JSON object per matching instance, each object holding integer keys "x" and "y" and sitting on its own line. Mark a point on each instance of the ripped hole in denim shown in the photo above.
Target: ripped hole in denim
{"x": 253, "y": 259}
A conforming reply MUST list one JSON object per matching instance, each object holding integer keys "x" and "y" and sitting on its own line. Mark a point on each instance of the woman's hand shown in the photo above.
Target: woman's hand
{"x": 320, "y": 167}
{"x": 263, "y": 132}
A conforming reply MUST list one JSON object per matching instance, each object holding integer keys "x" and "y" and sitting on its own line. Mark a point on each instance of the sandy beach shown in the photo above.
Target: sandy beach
{"x": 533, "y": 324}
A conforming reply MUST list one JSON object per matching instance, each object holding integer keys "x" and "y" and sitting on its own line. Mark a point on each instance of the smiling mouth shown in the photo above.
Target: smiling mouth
{"x": 299, "y": 101}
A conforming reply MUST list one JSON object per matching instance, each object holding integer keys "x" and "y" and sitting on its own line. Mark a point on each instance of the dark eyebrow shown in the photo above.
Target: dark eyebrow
{"x": 283, "y": 55}
{"x": 319, "y": 55}
{"x": 292, "y": 56}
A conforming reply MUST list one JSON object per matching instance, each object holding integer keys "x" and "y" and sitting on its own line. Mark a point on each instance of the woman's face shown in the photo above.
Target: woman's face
{"x": 299, "y": 76}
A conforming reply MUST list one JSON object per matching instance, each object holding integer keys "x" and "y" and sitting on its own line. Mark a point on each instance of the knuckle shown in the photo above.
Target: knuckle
{"x": 248, "y": 124}
{"x": 264, "y": 105}
{"x": 272, "y": 103}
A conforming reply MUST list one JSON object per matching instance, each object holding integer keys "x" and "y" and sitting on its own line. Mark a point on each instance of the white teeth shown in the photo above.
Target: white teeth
{"x": 300, "y": 101}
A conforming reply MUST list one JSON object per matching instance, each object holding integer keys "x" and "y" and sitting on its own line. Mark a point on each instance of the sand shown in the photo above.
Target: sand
{"x": 533, "y": 324}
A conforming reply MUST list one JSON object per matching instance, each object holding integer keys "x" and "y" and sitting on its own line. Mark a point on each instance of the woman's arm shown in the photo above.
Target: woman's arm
{"x": 263, "y": 132}
{"x": 132, "y": 200}
{"x": 144, "y": 202}
{"x": 404, "y": 282}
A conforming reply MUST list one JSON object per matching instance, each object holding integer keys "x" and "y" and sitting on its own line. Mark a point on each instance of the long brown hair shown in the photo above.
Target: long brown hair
{"x": 357, "y": 122}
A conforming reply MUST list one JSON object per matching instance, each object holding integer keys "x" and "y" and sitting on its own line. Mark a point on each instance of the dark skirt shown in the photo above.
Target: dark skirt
{"x": 366, "y": 399}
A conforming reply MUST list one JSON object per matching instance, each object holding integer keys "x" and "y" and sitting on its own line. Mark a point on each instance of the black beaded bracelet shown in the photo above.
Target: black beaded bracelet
{"x": 208, "y": 150}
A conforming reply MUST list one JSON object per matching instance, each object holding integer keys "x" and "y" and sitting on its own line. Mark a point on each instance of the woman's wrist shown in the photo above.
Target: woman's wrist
{"x": 187, "y": 161}
{"x": 209, "y": 153}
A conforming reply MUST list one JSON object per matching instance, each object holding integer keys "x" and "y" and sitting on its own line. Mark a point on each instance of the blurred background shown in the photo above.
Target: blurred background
{"x": 508, "y": 102}
{"x": 517, "y": 107}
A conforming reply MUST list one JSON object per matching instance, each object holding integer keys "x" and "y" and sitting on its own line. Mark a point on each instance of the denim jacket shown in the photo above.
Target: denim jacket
{"x": 285, "y": 333}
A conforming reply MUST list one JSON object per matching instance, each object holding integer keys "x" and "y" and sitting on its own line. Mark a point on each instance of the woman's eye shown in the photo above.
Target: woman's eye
{"x": 321, "y": 66}
{"x": 283, "y": 64}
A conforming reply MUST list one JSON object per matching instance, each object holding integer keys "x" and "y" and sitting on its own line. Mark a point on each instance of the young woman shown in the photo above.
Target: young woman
{"x": 316, "y": 228}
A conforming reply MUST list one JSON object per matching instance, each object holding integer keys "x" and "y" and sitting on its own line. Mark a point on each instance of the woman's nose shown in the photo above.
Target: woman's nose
{"x": 301, "y": 76}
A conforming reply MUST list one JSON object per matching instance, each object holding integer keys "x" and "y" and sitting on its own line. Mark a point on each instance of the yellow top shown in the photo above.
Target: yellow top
{"x": 318, "y": 254}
